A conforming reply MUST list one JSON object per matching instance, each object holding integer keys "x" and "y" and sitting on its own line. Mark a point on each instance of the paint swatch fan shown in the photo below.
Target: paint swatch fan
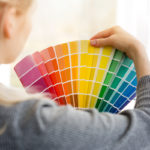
{"x": 81, "y": 75}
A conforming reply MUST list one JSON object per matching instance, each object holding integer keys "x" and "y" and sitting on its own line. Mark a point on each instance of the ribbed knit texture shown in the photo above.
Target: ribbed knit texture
{"x": 42, "y": 125}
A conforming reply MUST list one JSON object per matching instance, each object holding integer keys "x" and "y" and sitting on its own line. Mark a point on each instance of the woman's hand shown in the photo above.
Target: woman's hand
{"x": 120, "y": 39}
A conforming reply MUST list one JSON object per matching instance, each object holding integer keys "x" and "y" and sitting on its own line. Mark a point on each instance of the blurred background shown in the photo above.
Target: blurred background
{"x": 57, "y": 21}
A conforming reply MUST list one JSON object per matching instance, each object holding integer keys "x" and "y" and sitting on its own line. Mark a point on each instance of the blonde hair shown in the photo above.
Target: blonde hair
{"x": 19, "y": 4}
{"x": 10, "y": 96}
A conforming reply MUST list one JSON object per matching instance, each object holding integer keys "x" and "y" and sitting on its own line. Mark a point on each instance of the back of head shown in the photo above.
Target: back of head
{"x": 10, "y": 96}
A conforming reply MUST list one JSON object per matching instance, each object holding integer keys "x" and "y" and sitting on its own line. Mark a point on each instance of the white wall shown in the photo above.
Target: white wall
{"x": 66, "y": 20}
{"x": 134, "y": 16}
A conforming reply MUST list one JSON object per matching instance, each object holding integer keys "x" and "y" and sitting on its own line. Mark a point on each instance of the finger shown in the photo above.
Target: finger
{"x": 101, "y": 42}
{"x": 103, "y": 34}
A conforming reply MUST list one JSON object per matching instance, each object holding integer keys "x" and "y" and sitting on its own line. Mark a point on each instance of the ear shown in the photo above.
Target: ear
{"x": 9, "y": 22}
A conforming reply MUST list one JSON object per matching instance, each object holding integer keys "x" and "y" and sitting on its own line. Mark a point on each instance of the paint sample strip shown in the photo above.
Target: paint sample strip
{"x": 74, "y": 62}
{"x": 114, "y": 66}
{"x": 90, "y": 71}
{"x": 83, "y": 72}
{"x": 62, "y": 54}
{"x": 50, "y": 61}
{"x": 93, "y": 55}
{"x": 104, "y": 59}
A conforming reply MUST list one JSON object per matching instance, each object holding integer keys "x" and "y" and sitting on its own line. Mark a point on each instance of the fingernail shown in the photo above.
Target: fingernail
{"x": 93, "y": 42}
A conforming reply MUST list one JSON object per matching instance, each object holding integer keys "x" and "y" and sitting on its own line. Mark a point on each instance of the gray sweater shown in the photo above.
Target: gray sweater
{"x": 42, "y": 125}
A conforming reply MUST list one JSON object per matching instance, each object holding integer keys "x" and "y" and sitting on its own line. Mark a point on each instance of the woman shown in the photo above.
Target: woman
{"x": 39, "y": 124}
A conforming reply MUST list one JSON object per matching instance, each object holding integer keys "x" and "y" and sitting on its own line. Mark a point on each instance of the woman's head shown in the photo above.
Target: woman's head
{"x": 15, "y": 25}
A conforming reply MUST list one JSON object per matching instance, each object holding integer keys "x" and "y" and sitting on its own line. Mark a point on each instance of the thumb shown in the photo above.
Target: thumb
{"x": 101, "y": 42}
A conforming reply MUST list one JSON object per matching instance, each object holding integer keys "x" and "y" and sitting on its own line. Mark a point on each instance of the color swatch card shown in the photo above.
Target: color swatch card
{"x": 64, "y": 65}
{"x": 78, "y": 74}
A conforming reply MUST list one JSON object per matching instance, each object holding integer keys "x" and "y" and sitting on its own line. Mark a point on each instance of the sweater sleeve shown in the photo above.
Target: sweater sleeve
{"x": 53, "y": 127}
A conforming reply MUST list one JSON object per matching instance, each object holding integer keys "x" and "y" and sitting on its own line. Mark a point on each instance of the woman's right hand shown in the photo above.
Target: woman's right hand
{"x": 122, "y": 40}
